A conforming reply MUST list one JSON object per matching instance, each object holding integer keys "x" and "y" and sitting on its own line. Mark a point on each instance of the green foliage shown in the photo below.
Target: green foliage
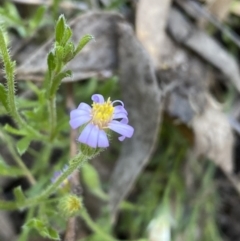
{"x": 10, "y": 18}
{"x": 43, "y": 120}
{"x": 43, "y": 229}
{"x": 19, "y": 196}
{"x": 91, "y": 179}
{"x": 84, "y": 40}
{"x": 23, "y": 144}
{"x": 9, "y": 171}
{"x": 3, "y": 96}
{"x": 36, "y": 120}
{"x": 57, "y": 81}
{"x": 14, "y": 131}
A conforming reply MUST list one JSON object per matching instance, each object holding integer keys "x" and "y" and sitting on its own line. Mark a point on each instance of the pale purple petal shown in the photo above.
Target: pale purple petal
{"x": 93, "y": 137}
{"x": 85, "y": 133}
{"x": 89, "y": 135}
{"x": 98, "y": 98}
{"x": 84, "y": 106}
{"x": 119, "y": 109}
{"x": 78, "y": 113}
{"x": 124, "y": 120}
{"x": 115, "y": 101}
{"x": 102, "y": 139}
{"x": 76, "y": 122}
{"x": 121, "y": 128}
{"x": 121, "y": 138}
{"x": 120, "y": 115}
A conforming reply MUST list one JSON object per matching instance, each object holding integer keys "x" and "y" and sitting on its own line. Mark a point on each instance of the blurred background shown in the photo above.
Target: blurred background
{"x": 175, "y": 64}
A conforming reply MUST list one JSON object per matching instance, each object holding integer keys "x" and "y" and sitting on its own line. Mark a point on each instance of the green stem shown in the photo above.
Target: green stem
{"x": 95, "y": 228}
{"x": 22, "y": 165}
{"x": 24, "y": 234}
{"x": 75, "y": 163}
{"x": 53, "y": 116}
{"x": 18, "y": 160}
{"x": 52, "y": 100}
{"x": 9, "y": 67}
{"x": 8, "y": 205}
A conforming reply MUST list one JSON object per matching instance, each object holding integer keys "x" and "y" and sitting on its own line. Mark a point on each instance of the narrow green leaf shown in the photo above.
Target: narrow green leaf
{"x": 53, "y": 234}
{"x": 51, "y": 62}
{"x": 38, "y": 16}
{"x": 33, "y": 87}
{"x": 42, "y": 228}
{"x": 39, "y": 225}
{"x": 34, "y": 223}
{"x": 30, "y": 224}
{"x": 19, "y": 196}
{"x": 59, "y": 52}
{"x": 67, "y": 35}
{"x": 90, "y": 177}
{"x": 83, "y": 41}
{"x": 69, "y": 50}
{"x": 14, "y": 131}
{"x": 23, "y": 145}
{"x": 6, "y": 170}
{"x": 12, "y": 10}
{"x": 3, "y": 96}
{"x": 60, "y": 29}
{"x": 57, "y": 81}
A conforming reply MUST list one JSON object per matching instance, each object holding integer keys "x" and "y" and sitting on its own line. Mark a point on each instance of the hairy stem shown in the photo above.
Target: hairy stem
{"x": 17, "y": 158}
{"x": 9, "y": 67}
{"x": 75, "y": 163}
{"x": 53, "y": 116}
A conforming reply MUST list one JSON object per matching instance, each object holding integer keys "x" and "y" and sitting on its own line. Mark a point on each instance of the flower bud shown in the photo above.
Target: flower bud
{"x": 70, "y": 205}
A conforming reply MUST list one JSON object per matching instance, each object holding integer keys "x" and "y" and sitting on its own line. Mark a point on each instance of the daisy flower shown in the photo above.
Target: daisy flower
{"x": 103, "y": 115}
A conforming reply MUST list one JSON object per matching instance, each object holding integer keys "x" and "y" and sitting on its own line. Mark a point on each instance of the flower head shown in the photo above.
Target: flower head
{"x": 70, "y": 205}
{"x": 101, "y": 116}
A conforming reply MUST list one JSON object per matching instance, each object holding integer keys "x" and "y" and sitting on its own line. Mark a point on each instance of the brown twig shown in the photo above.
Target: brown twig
{"x": 71, "y": 231}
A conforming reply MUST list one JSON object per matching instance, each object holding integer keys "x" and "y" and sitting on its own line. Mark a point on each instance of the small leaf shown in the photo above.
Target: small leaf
{"x": 67, "y": 35}
{"x": 68, "y": 52}
{"x": 23, "y": 145}
{"x": 57, "y": 81}
{"x": 3, "y": 96}
{"x": 10, "y": 171}
{"x": 59, "y": 52}
{"x": 30, "y": 224}
{"x": 42, "y": 228}
{"x": 53, "y": 234}
{"x": 84, "y": 40}
{"x": 60, "y": 28}
{"x": 39, "y": 224}
{"x": 19, "y": 196}
{"x": 14, "y": 131}
{"x": 90, "y": 177}
{"x": 12, "y": 10}
{"x": 38, "y": 16}
{"x": 51, "y": 62}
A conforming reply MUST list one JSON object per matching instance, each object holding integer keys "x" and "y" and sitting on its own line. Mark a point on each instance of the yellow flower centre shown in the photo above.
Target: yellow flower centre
{"x": 102, "y": 113}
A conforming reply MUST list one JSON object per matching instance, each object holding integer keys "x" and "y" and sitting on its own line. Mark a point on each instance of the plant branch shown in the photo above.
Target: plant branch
{"x": 9, "y": 67}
